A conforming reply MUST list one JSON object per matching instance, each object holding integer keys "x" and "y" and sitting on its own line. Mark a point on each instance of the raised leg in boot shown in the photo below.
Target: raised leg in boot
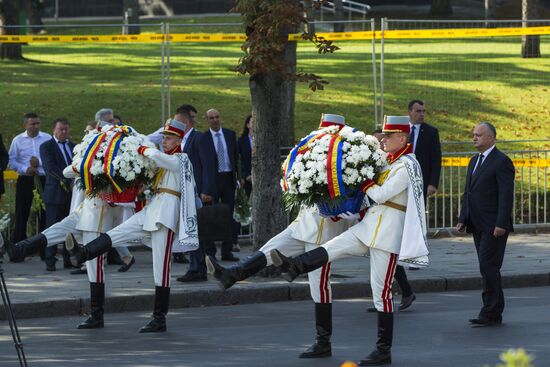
{"x": 158, "y": 323}
{"x": 17, "y": 252}
{"x": 97, "y": 299}
{"x": 80, "y": 254}
{"x": 323, "y": 326}
{"x": 240, "y": 271}
{"x": 294, "y": 266}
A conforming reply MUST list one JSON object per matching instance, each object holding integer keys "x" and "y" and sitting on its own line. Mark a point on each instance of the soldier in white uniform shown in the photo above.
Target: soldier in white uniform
{"x": 393, "y": 228}
{"x": 307, "y": 232}
{"x": 170, "y": 218}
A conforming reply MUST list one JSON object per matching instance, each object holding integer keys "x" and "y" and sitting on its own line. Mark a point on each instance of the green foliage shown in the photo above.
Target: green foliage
{"x": 268, "y": 23}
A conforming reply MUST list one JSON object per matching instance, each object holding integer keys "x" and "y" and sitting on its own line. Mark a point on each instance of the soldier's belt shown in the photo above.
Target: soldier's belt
{"x": 168, "y": 191}
{"x": 391, "y": 204}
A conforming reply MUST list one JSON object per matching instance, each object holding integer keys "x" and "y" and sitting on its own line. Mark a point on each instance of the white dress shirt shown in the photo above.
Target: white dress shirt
{"x": 185, "y": 137}
{"x": 485, "y": 154}
{"x": 23, "y": 147}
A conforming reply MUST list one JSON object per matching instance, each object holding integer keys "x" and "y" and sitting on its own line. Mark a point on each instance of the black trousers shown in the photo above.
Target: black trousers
{"x": 401, "y": 278}
{"x": 23, "y": 201}
{"x": 490, "y": 254}
{"x": 54, "y": 214}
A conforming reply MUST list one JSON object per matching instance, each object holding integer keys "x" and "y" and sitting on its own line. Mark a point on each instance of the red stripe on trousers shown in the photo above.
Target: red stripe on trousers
{"x": 386, "y": 292}
{"x": 323, "y": 284}
{"x": 99, "y": 269}
{"x": 166, "y": 262}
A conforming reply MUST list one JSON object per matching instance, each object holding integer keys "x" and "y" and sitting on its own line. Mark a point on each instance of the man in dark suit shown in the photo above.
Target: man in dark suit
{"x": 56, "y": 154}
{"x": 426, "y": 147}
{"x": 218, "y": 157}
{"x": 486, "y": 212}
{"x": 4, "y": 158}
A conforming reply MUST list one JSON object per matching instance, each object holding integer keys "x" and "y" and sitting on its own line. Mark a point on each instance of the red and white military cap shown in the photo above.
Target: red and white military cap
{"x": 396, "y": 124}
{"x": 328, "y": 119}
{"x": 174, "y": 127}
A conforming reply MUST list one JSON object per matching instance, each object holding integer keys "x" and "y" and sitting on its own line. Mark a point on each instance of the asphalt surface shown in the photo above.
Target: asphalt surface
{"x": 434, "y": 332}
{"x": 36, "y": 292}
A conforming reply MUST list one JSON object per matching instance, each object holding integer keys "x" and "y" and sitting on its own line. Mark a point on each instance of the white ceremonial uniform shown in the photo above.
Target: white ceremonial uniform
{"x": 307, "y": 232}
{"x": 159, "y": 218}
{"x": 92, "y": 217}
{"x": 379, "y": 233}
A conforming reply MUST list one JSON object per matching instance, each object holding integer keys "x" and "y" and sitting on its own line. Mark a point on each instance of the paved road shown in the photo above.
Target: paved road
{"x": 434, "y": 332}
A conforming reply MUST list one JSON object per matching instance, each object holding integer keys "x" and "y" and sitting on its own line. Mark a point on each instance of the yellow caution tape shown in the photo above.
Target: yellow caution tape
{"x": 518, "y": 162}
{"x": 239, "y": 37}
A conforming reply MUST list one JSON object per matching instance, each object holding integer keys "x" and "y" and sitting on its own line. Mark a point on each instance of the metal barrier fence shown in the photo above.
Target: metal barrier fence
{"x": 531, "y": 192}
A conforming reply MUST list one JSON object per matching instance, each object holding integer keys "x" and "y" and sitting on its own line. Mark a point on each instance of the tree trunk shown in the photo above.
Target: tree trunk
{"x": 34, "y": 16}
{"x": 339, "y": 15}
{"x": 530, "y": 45}
{"x": 269, "y": 95}
{"x": 130, "y": 15}
{"x": 9, "y": 15}
{"x": 490, "y": 9}
{"x": 441, "y": 8}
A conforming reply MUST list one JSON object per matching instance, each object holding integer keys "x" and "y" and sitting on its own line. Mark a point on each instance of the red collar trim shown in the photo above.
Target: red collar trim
{"x": 407, "y": 149}
{"x": 176, "y": 149}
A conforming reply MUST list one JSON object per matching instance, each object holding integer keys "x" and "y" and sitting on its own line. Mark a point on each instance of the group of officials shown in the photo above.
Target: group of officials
{"x": 391, "y": 228}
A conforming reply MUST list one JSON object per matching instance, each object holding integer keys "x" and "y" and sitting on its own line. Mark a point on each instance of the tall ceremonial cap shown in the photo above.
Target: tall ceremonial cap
{"x": 174, "y": 127}
{"x": 396, "y": 124}
{"x": 328, "y": 119}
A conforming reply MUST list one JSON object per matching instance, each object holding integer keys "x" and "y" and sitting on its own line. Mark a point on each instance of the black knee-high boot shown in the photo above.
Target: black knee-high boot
{"x": 162, "y": 299}
{"x": 240, "y": 271}
{"x": 382, "y": 354}
{"x": 97, "y": 299}
{"x": 294, "y": 266}
{"x": 17, "y": 252}
{"x": 80, "y": 254}
{"x": 323, "y": 325}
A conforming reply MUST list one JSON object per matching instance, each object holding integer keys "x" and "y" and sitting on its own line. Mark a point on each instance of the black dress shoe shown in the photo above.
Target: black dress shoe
{"x": 68, "y": 265}
{"x": 50, "y": 267}
{"x": 317, "y": 351}
{"x": 481, "y": 322}
{"x": 125, "y": 267}
{"x": 154, "y": 326}
{"x": 230, "y": 257}
{"x": 372, "y": 309}
{"x": 79, "y": 271}
{"x": 192, "y": 276}
{"x": 406, "y": 302}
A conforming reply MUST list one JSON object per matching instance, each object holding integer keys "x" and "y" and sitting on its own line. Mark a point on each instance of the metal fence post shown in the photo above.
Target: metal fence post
{"x": 168, "y": 46}
{"x": 162, "y": 51}
{"x": 382, "y": 29}
{"x": 374, "y": 79}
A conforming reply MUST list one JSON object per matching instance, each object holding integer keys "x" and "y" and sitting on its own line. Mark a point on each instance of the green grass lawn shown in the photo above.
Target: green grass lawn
{"x": 462, "y": 82}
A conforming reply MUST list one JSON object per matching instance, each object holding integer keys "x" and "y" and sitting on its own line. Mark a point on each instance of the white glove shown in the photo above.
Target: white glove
{"x": 349, "y": 216}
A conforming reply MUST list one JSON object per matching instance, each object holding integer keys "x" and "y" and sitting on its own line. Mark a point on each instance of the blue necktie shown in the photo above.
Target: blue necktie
{"x": 411, "y": 136}
{"x": 221, "y": 153}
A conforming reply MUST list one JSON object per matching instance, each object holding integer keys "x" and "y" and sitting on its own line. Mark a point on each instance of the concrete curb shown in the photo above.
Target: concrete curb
{"x": 264, "y": 292}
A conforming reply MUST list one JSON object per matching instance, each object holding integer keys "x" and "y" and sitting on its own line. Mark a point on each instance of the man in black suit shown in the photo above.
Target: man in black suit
{"x": 218, "y": 155}
{"x": 426, "y": 147}
{"x": 486, "y": 212}
{"x": 4, "y": 158}
{"x": 56, "y": 154}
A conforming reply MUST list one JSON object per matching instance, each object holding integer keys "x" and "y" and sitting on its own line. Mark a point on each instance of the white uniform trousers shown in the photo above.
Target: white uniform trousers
{"x": 382, "y": 266}
{"x": 127, "y": 212}
{"x": 161, "y": 243}
{"x": 319, "y": 279}
{"x": 56, "y": 233}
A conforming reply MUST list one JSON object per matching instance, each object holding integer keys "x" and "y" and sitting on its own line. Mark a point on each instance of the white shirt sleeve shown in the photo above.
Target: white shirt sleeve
{"x": 13, "y": 163}
{"x": 394, "y": 185}
{"x": 163, "y": 160}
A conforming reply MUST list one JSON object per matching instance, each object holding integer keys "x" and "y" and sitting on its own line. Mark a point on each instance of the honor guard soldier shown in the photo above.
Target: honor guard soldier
{"x": 393, "y": 229}
{"x": 170, "y": 218}
{"x": 307, "y": 232}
